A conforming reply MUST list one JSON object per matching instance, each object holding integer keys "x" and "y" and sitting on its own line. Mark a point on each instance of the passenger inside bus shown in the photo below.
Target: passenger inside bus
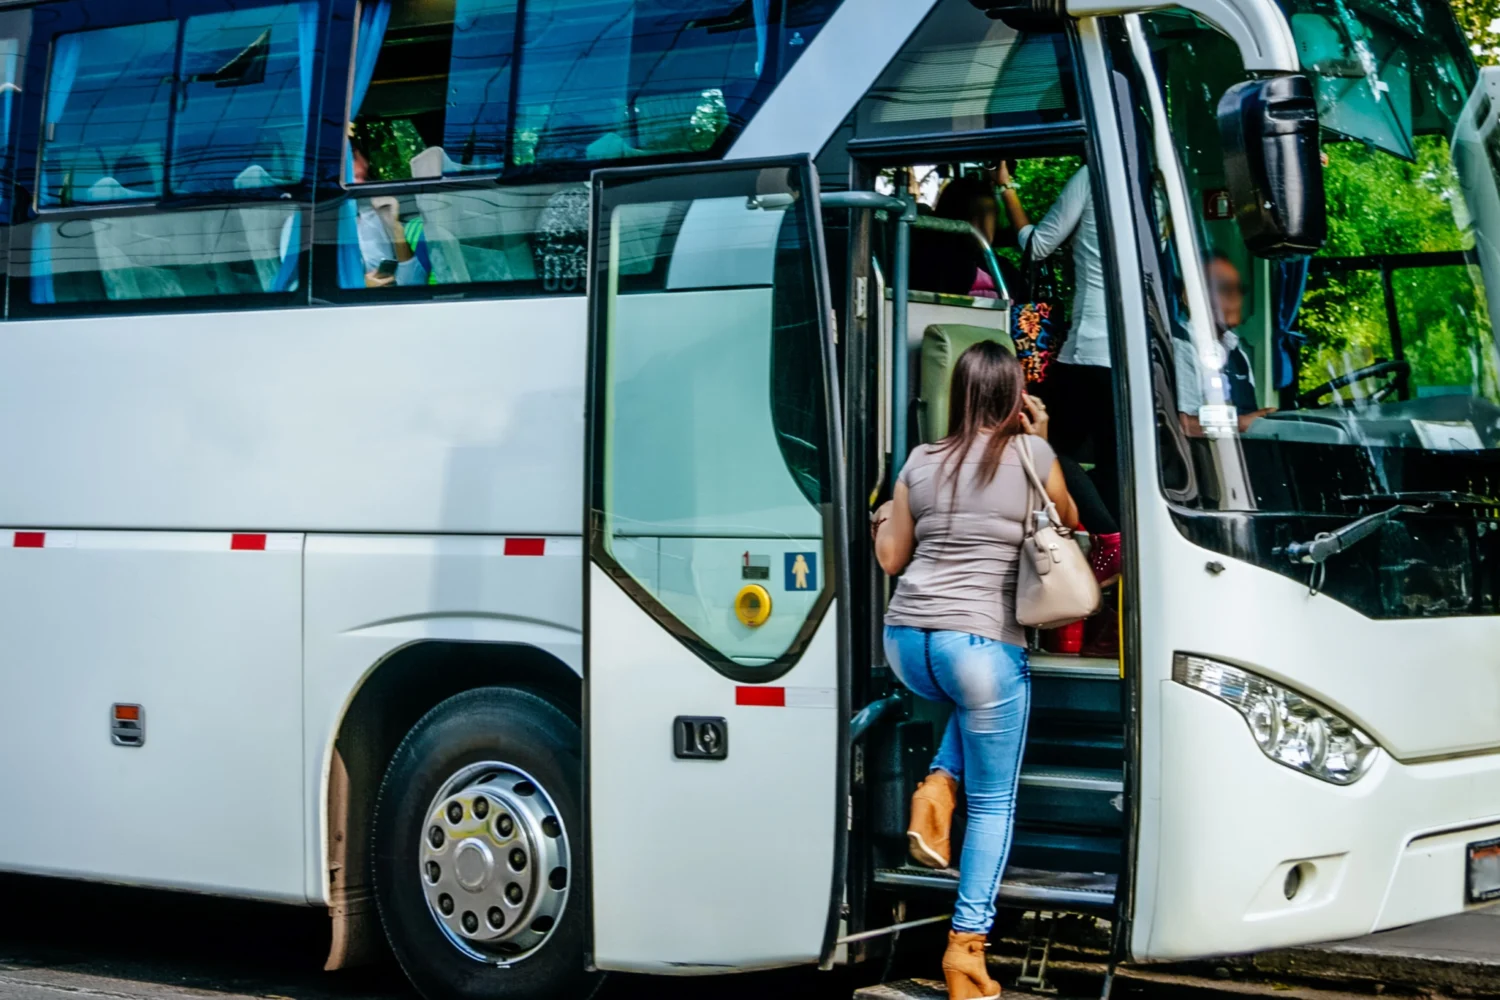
{"x": 1079, "y": 381}
{"x": 1227, "y": 288}
{"x": 385, "y": 242}
{"x": 943, "y": 264}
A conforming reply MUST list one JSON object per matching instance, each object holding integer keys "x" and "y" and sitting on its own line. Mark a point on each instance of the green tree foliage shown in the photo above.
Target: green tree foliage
{"x": 1475, "y": 18}
{"x": 1377, "y": 205}
{"x": 1380, "y": 204}
{"x": 392, "y": 143}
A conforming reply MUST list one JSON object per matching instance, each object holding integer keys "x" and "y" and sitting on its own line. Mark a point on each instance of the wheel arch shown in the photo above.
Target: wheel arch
{"x": 393, "y": 696}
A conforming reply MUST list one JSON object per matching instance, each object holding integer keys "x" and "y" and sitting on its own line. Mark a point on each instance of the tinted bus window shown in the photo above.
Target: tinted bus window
{"x": 432, "y": 76}
{"x": 241, "y": 104}
{"x": 109, "y": 93}
{"x": 449, "y": 90}
{"x": 963, "y": 72}
{"x": 245, "y": 96}
{"x": 214, "y": 107}
{"x": 618, "y": 79}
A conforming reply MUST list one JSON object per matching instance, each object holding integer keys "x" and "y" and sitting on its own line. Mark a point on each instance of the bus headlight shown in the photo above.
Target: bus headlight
{"x": 1289, "y": 728}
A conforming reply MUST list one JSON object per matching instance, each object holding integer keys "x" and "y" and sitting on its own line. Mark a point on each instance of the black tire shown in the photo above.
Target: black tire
{"x": 487, "y": 724}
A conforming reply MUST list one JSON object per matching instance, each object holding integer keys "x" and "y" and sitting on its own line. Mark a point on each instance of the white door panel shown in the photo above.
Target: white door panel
{"x": 745, "y": 829}
{"x": 714, "y": 554}
{"x": 206, "y": 636}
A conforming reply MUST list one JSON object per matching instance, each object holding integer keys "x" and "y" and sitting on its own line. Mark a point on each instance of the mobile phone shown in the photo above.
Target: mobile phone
{"x": 386, "y": 269}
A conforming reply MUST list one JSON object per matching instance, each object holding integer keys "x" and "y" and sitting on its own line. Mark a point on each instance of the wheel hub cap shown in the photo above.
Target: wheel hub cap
{"x": 473, "y": 864}
{"x": 494, "y": 862}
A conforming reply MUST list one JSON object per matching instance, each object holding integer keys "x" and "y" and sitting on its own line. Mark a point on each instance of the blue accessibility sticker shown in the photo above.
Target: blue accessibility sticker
{"x": 801, "y": 571}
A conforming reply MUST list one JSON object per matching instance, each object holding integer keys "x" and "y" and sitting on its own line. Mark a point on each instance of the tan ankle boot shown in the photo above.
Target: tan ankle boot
{"x": 932, "y": 806}
{"x": 964, "y": 969}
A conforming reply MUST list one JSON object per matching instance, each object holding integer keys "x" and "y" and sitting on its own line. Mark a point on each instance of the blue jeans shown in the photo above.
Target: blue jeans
{"x": 989, "y": 685}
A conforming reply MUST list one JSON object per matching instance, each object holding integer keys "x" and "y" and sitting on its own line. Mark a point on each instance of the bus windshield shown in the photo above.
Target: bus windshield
{"x": 1370, "y": 369}
{"x": 1314, "y": 391}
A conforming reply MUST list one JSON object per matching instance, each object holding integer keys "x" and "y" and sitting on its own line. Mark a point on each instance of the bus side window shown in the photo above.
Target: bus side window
{"x": 450, "y": 96}
{"x": 963, "y": 72}
{"x": 213, "y": 107}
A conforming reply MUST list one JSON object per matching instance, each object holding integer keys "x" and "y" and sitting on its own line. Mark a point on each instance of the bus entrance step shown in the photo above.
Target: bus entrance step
{"x": 925, "y": 989}
{"x": 1029, "y": 888}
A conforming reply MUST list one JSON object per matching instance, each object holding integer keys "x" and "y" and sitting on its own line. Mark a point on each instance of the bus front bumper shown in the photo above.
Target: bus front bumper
{"x": 1230, "y": 826}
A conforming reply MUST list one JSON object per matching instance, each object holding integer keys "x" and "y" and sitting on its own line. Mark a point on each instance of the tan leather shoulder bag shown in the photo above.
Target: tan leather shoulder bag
{"x": 1055, "y": 585}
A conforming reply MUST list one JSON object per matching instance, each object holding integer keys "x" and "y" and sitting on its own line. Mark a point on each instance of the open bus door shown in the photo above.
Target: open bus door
{"x": 715, "y": 675}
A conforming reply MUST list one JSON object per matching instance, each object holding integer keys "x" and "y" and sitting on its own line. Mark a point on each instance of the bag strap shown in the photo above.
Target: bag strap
{"x": 1028, "y": 520}
{"x": 1035, "y": 482}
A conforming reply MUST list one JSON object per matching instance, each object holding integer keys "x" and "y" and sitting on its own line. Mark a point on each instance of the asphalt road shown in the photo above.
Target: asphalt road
{"x": 64, "y": 940}
{"x": 70, "y": 941}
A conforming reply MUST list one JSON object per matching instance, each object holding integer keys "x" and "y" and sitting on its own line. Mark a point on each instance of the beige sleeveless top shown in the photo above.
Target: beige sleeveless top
{"x": 962, "y": 577}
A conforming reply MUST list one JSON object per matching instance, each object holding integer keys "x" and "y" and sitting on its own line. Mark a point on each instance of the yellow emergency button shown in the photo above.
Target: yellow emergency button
{"x": 752, "y": 605}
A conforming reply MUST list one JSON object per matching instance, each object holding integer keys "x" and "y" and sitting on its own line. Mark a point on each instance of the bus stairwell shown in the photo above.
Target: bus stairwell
{"x": 1067, "y": 853}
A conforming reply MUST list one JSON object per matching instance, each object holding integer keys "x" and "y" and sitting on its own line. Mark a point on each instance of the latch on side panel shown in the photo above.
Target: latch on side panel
{"x": 700, "y": 738}
{"x": 127, "y": 725}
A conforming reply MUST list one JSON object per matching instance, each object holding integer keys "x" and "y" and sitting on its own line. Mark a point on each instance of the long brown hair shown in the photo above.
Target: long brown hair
{"x": 985, "y": 397}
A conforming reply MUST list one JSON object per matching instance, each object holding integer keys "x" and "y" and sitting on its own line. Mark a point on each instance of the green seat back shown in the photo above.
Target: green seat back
{"x": 942, "y": 345}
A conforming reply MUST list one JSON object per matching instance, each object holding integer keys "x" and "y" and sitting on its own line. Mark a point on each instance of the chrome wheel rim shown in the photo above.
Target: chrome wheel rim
{"x": 493, "y": 862}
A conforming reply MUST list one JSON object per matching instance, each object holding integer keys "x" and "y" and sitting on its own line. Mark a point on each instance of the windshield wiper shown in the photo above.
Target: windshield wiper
{"x": 1329, "y": 543}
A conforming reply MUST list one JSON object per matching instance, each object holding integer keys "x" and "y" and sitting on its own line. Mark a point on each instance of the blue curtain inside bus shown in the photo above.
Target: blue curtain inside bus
{"x": 307, "y": 53}
{"x": 762, "y": 33}
{"x": 65, "y": 55}
{"x": 10, "y": 81}
{"x": 307, "y": 50}
{"x": 373, "y": 19}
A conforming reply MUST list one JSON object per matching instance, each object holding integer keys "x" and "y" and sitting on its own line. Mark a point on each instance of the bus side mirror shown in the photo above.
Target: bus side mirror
{"x": 1273, "y": 165}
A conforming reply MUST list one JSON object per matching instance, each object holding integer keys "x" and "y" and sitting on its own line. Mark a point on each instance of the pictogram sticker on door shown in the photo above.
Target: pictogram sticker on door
{"x": 801, "y": 571}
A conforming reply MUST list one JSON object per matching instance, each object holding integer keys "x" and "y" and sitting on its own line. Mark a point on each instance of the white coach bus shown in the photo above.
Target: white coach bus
{"x": 438, "y": 439}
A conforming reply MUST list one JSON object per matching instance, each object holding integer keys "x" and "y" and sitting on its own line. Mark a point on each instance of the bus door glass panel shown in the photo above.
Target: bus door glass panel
{"x": 712, "y": 567}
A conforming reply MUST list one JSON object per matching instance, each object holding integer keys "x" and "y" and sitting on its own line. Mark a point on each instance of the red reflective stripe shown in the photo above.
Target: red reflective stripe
{"x": 525, "y": 546}
{"x": 31, "y": 539}
{"x": 247, "y": 543}
{"x": 769, "y": 697}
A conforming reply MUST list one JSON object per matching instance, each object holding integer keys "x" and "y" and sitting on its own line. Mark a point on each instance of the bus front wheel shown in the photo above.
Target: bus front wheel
{"x": 478, "y": 850}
